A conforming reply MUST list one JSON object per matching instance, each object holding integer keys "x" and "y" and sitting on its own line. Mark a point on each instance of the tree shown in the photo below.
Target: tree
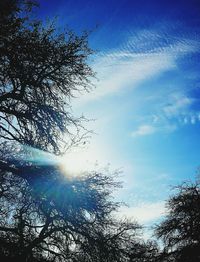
{"x": 118, "y": 241}
{"x": 39, "y": 71}
{"x": 180, "y": 230}
{"x": 45, "y": 216}
{"x": 69, "y": 220}
{"x": 34, "y": 227}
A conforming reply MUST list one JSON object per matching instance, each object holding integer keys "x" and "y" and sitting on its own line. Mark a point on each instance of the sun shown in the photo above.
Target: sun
{"x": 77, "y": 163}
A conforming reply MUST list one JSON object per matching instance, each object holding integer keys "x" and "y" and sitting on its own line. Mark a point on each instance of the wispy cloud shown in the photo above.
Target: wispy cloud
{"x": 119, "y": 71}
{"x": 164, "y": 38}
{"x": 144, "y": 130}
{"x": 162, "y": 126}
{"x": 143, "y": 56}
{"x": 144, "y": 212}
{"x": 175, "y": 111}
{"x": 177, "y": 104}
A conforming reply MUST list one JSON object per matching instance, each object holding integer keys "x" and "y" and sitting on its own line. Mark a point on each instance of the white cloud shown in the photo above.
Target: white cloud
{"x": 117, "y": 71}
{"x": 144, "y": 130}
{"x": 145, "y": 212}
{"x": 178, "y": 109}
{"x": 178, "y": 104}
{"x": 161, "y": 39}
{"x": 144, "y": 55}
{"x": 170, "y": 111}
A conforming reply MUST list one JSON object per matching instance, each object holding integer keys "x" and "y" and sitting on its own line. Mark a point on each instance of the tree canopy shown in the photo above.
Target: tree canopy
{"x": 39, "y": 71}
{"x": 180, "y": 230}
{"x": 44, "y": 215}
{"x": 60, "y": 223}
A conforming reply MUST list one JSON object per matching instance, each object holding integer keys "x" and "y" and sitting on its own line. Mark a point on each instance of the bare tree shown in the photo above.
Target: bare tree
{"x": 39, "y": 71}
{"x": 43, "y": 215}
{"x": 76, "y": 225}
{"x": 180, "y": 230}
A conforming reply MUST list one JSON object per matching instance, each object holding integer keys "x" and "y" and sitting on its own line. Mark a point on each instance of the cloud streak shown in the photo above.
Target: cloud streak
{"x": 145, "y": 212}
{"x": 139, "y": 59}
{"x": 179, "y": 103}
{"x": 126, "y": 71}
{"x": 144, "y": 130}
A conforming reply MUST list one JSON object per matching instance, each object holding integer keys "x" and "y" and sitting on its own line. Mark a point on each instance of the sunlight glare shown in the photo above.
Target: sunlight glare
{"x": 76, "y": 164}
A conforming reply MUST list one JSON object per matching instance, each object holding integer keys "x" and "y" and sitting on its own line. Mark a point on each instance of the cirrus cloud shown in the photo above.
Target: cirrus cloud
{"x": 145, "y": 212}
{"x": 144, "y": 130}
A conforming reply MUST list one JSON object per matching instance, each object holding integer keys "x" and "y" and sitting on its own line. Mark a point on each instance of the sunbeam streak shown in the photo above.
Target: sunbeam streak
{"x": 71, "y": 165}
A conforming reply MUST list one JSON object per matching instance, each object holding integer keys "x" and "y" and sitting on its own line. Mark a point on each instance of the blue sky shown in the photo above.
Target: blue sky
{"x": 147, "y": 98}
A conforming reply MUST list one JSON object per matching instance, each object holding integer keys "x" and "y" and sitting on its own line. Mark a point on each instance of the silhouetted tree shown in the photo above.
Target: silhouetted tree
{"x": 45, "y": 216}
{"x": 76, "y": 225}
{"x": 121, "y": 245}
{"x": 180, "y": 230}
{"x": 39, "y": 71}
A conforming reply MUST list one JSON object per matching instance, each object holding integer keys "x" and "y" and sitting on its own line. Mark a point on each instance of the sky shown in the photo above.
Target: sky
{"x": 146, "y": 104}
